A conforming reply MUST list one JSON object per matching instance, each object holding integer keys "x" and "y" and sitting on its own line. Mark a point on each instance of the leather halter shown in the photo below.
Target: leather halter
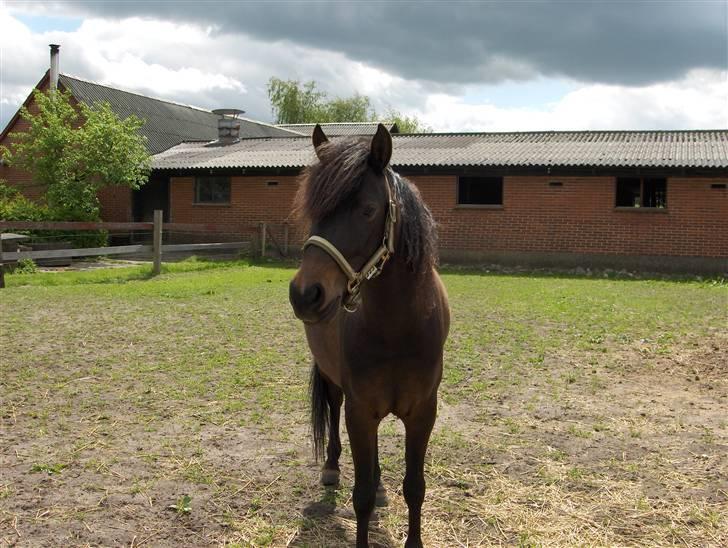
{"x": 373, "y": 267}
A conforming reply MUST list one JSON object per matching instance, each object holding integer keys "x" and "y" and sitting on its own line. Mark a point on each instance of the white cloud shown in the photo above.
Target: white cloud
{"x": 199, "y": 66}
{"x": 700, "y": 100}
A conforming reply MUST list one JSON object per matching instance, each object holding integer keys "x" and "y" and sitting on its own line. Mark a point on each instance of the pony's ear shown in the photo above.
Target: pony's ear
{"x": 381, "y": 151}
{"x": 318, "y": 138}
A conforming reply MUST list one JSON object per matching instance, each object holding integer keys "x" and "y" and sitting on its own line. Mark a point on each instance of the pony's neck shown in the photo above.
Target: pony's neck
{"x": 394, "y": 290}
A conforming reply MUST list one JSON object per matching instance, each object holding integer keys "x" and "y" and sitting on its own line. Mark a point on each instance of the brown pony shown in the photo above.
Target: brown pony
{"x": 375, "y": 313}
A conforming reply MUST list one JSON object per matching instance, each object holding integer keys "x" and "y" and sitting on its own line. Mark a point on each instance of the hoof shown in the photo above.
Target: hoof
{"x": 381, "y": 499}
{"x": 329, "y": 477}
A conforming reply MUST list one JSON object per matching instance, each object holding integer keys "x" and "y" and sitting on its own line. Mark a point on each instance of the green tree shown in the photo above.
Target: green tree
{"x": 73, "y": 153}
{"x": 294, "y": 102}
{"x": 406, "y": 124}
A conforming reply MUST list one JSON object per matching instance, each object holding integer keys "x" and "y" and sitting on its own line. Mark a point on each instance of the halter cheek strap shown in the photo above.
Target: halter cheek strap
{"x": 373, "y": 267}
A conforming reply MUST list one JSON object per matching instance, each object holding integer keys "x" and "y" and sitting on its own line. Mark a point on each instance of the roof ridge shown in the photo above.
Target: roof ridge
{"x": 564, "y": 131}
{"x": 276, "y": 126}
{"x": 72, "y": 77}
{"x": 336, "y": 123}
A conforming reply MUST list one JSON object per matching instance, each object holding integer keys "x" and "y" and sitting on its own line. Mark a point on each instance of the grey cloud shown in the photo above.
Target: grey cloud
{"x": 633, "y": 43}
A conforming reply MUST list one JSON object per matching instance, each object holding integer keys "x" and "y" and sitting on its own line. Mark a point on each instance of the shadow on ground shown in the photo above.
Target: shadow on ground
{"x": 327, "y": 525}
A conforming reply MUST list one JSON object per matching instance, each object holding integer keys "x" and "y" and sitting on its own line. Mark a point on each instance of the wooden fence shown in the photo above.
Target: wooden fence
{"x": 259, "y": 234}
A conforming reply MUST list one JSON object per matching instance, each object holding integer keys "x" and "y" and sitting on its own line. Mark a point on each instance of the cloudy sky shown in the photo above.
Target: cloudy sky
{"x": 458, "y": 66}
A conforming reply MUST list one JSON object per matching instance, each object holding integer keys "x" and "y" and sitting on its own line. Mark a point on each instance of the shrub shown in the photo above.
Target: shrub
{"x": 16, "y": 207}
{"x": 26, "y": 266}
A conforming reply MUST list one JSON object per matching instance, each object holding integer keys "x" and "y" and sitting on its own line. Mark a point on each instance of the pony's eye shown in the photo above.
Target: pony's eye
{"x": 369, "y": 210}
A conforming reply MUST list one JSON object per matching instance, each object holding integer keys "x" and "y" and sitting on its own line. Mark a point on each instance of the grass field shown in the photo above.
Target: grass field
{"x": 172, "y": 411}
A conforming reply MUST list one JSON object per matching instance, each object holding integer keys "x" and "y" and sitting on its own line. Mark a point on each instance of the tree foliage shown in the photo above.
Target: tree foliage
{"x": 73, "y": 153}
{"x": 294, "y": 102}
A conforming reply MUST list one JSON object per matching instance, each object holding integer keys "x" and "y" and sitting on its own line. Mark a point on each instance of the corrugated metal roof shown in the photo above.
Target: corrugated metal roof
{"x": 339, "y": 129}
{"x": 625, "y": 149}
{"x": 167, "y": 123}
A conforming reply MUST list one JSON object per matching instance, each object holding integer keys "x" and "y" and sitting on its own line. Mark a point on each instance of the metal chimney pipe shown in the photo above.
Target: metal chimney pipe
{"x": 228, "y": 125}
{"x": 55, "y": 67}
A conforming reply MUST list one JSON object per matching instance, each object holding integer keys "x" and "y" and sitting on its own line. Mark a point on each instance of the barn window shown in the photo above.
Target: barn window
{"x": 212, "y": 190}
{"x": 641, "y": 192}
{"x": 480, "y": 190}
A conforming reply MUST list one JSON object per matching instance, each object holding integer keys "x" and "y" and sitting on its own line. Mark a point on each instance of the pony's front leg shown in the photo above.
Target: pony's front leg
{"x": 330, "y": 473}
{"x": 418, "y": 426}
{"x": 362, "y": 428}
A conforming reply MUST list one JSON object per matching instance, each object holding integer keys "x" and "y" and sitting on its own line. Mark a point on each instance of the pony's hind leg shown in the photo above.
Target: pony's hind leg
{"x": 418, "y": 426}
{"x": 330, "y": 473}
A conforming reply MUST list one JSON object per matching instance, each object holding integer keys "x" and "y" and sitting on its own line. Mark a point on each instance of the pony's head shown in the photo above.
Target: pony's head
{"x": 356, "y": 207}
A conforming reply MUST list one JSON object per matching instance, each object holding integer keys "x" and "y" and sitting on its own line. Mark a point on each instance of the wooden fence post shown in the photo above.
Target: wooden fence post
{"x": 285, "y": 239}
{"x": 157, "y": 245}
{"x": 2, "y": 267}
{"x": 262, "y": 239}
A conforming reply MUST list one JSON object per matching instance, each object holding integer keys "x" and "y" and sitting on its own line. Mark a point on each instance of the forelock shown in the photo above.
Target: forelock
{"x": 337, "y": 175}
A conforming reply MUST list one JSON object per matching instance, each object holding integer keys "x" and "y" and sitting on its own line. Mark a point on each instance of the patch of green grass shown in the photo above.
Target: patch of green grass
{"x": 49, "y": 468}
{"x": 574, "y": 430}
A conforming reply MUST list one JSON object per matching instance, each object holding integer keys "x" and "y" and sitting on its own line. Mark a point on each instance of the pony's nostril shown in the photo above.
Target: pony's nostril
{"x": 313, "y": 294}
{"x": 308, "y": 300}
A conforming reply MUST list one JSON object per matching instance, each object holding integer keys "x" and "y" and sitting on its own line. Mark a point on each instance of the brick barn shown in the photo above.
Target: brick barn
{"x": 638, "y": 199}
{"x": 653, "y": 200}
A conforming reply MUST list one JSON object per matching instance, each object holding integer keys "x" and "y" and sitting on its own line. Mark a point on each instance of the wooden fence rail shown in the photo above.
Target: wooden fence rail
{"x": 157, "y": 248}
{"x": 83, "y": 225}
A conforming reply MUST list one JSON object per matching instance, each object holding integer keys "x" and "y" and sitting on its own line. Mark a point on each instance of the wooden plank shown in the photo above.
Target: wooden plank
{"x": 222, "y": 229}
{"x": 205, "y": 247}
{"x": 72, "y": 225}
{"x": 82, "y": 252}
{"x": 157, "y": 245}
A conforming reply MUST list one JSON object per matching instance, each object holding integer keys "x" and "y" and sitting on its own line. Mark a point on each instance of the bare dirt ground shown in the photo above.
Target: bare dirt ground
{"x": 173, "y": 412}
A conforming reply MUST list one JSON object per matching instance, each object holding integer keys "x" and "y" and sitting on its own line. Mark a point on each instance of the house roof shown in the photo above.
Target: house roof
{"x": 568, "y": 149}
{"x": 337, "y": 129}
{"x": 166, "y": 123}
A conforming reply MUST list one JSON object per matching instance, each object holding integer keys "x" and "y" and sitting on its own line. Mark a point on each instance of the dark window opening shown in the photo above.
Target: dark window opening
{"x": 641, "y": 192}
{"x": 212, "y": 190}
{"x": 718, "y": 185}
{"x": 271, "y": 183}
{"x": 556, "y": 183}
{"x": 480, "y": 190}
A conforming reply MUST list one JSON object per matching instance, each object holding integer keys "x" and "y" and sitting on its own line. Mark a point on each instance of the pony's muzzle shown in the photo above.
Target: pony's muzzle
{"x": 306, "y": 302}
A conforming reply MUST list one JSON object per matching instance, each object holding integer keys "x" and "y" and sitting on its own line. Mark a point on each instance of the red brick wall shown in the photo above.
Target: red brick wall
{"x": 578, "y": 217}
{"x": 116, "y": 204}
{"x": 251, "y": 201}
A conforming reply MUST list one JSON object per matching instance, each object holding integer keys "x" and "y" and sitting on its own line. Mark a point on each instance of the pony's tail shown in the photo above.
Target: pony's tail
{"x": 320, "y": 411}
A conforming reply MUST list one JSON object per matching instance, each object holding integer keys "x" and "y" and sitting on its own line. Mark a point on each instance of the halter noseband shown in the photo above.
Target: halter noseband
{"x": 373, "y": 267}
